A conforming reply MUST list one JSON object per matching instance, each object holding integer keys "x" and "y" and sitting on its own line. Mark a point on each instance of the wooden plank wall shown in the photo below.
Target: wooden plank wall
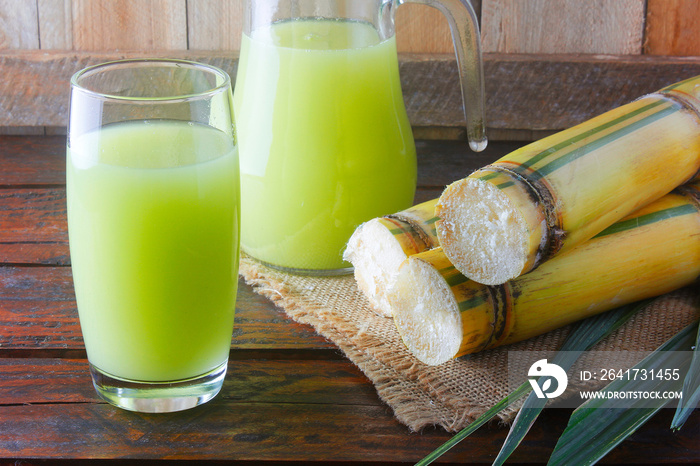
{"x": 656, "y": 27}
{"x": 532, "y": 27}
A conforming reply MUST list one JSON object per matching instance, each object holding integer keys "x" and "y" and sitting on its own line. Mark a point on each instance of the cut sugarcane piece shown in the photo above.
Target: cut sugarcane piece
{"x": 441, "y": 314}
{"x": 378, "y": 247}
{"x": 552, "y": 195}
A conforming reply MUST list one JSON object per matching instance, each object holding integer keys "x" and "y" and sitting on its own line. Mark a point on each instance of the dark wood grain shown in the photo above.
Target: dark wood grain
{"x": 33, "y": 215}
{"x": 219, "y": 430}
{"x": 259, "y": 325}
{"x": 32, "y": 160}
{"x": 45, "y": 381}
{"x": 442, "y": 162}
{"x": 557, "y": 92}
{"x": 33, "y": 227}
{"x": 31, "y": 252}
{"x": 268, "y": 410}
{"x": 523, "y": 92}
{"x": 38, "y": 310}
{"x": 251, "y": 381}
{"x": 289, "y": 396}
{"x": 27, "y": 162}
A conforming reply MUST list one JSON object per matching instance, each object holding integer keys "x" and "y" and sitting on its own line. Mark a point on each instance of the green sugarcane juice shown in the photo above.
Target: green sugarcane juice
{"x": 153, "y": 226}
{"x": 324, "y": 137}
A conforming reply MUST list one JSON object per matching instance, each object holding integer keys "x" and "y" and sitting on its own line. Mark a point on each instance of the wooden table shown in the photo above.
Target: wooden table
{"x": 290, "y": 395}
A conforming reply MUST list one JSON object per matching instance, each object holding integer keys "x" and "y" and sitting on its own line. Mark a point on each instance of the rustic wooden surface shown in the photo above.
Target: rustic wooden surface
{"x": 511, "y": 26}
{"x": 290, "y": 395}
{"x": 540, "y": 29}
{"x": 563, "y": 26}
{"x": 523, "y": 92}
{"x": 672, "y": 27}
{"x": 129, "y": 25}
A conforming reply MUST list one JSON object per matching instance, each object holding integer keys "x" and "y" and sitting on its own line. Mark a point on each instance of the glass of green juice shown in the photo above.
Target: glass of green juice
{"x": 325, "y": 140}
{"x": 153, "y": 219}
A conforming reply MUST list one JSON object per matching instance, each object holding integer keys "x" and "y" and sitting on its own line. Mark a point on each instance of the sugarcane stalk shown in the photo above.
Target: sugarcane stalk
{"x": 378, "y": 247}
{"x": 550, "y": 196}
{"x": 441, "y": 314}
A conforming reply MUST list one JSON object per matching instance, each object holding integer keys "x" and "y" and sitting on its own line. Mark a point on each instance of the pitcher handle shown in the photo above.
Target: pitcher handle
{"x": 467, "y": 43}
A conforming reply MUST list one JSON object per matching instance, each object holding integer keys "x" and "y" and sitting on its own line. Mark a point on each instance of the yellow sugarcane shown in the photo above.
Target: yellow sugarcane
{"x": 441, "y": 314}
{"x": 549, "y": 196}
{"x": 378, "y": 247}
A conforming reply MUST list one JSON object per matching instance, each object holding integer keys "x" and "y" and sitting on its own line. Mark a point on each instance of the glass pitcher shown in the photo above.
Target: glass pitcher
{"x": 324, "y": 139}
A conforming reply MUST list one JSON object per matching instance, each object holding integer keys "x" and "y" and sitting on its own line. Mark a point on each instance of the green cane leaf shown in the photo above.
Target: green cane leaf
{"x": 583, "y": 337}
{"x": 691, "y": 389}
{"x": 511, "y": 398}
{"x": 597, "y": 426}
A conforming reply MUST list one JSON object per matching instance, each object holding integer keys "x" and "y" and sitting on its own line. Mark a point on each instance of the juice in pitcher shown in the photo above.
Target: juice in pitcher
{"x": 324, "y": 139}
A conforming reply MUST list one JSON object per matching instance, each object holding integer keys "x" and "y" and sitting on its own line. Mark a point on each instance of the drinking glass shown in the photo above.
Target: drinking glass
{"x": 153, "y": 220}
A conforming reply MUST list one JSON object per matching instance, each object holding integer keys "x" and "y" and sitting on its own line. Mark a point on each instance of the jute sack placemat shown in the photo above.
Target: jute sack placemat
{"x": 455, "y": 393}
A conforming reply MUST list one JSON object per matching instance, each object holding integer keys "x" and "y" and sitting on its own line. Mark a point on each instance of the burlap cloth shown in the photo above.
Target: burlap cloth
{"x": 455, "y": 393}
